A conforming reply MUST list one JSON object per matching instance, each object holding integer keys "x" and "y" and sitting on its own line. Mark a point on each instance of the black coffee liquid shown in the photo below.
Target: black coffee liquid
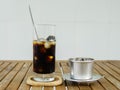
{"x": 43, "y": 56}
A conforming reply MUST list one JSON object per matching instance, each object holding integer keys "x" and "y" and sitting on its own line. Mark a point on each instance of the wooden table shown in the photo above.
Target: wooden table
{"x": 13, "y": 75}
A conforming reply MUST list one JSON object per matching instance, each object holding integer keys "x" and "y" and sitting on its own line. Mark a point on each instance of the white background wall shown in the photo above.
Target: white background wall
{"x": 87, "y": 28}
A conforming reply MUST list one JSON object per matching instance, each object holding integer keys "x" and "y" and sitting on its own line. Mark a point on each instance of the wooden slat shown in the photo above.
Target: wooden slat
{"x": 97, "y": 85}
{"x": 105, "y": 83}
{"x": 5, "y": 82}
{"x": 60, "y": 87}
{"x": 23, "y": 85}
{"x": 109, "y": 70}
{"x": 58, "y": 72}
{"x": 18, "y": 78}
{"x": 1, "y": 63}
{"x": 7, "y": 69}
{"x": 48, "y": 88}
{"x": 115, "y": 63}
{"x": 3, "y": 66}
{"x": 36, "y": 88}
{"x": 65, "y": 67}
{"x": 116, "y": 69}
{"x": 13, "y": 76}
{"x": 82, "y": 87}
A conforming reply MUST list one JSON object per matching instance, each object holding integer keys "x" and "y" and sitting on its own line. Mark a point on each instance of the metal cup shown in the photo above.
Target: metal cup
{"x": 81, "y": 68}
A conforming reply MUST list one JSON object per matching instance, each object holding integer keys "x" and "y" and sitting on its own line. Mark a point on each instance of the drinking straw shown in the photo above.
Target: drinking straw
{"x": 33, "y": 21}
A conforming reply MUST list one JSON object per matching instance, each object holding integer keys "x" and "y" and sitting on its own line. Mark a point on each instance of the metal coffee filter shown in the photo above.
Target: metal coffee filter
{"x": 81, "y": 68}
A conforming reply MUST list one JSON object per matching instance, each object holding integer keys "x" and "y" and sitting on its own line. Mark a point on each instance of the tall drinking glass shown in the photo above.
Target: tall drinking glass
{"x": 44, "y": 52}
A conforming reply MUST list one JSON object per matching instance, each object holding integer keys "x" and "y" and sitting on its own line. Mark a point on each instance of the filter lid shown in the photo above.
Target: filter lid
{"x": 81, "y": 59}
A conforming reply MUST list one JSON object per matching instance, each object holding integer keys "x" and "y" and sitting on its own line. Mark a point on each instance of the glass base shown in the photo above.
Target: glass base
{"x": 38, "y": 79}
{"x": 44, "y": 77}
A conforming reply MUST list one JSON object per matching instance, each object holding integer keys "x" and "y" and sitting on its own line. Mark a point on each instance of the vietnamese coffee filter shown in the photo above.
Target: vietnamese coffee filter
{"x": 81, "y": 68}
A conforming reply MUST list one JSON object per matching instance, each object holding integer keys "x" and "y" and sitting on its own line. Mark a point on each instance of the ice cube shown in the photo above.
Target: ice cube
{"x": 41, "y": 39}
{"x": 47, "y": 45}
{"x": 52, "y": 42}
{"x": 51, "y": 38}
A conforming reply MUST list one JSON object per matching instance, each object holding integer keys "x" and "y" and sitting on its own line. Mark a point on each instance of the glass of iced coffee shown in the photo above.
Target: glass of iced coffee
{"x": 44, "y": 52}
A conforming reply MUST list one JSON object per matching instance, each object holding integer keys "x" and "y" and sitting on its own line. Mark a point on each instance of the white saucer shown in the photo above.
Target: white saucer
{"x": 94, "y": 78}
